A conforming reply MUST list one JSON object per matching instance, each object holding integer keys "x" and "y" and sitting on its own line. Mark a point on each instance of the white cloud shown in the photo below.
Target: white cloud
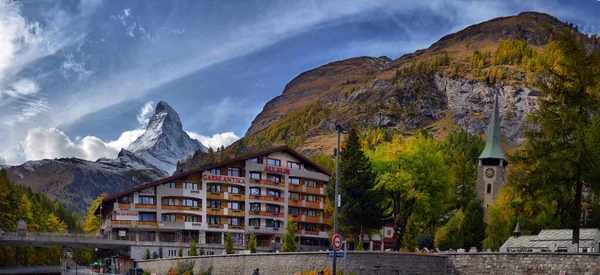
{"x": 74, "y": 70}
{"x": 143, "y": 117}
{"x": 217, "y": 140}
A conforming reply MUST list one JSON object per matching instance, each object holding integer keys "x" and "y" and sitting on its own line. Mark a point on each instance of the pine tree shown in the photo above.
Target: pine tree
{"x": 252, "y": 244}
{"x": 147, "y": 257}
{"x": 228, "y": 243}
{"x": 202, "y": 251}
{"x": 361, "y": 207}
{"x": 180, "y": 252}
{"x": 472, "y": 230}
{"x": 193, "y": 251}
{"x": 289, "y": 238}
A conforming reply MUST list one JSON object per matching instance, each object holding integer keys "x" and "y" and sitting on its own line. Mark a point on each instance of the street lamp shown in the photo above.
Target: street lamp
{"x": 339, "y": 130}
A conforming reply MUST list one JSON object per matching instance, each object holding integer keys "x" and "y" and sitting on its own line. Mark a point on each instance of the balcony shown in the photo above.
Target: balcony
{"x": 123, "y": 206}
{"x": 215, "y": 226}
{"x": 295, "y": 203}
{"x": 180, "y": 207}
{"x": 294, "y": 188}
{"x": 313, "y": 190}
{"x": 312, "y": 219}
{"x": 145, "y": 206}
{"x": 236, "y": 197}
{"x": 314, "y": 233}
{"x": 218, "y": 196}
{"x": 271, "y": 214}
{"x": 146, "y": 223}
{"x": 296, "y": 218}
{"x": 235, "y": 213}
{"x": 275, "y": 199}
{"x": 116, "y": 222}
{"x": 235, "y": 227}
{"x": 267, "y": 182}
{"x": 215, "y": 211}
{"x": 254, "y": 197}
{"x": 312, "y": 204}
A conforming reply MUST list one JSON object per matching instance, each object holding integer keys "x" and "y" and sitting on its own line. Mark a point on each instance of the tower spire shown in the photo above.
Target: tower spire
{"x": 493, "y": 145}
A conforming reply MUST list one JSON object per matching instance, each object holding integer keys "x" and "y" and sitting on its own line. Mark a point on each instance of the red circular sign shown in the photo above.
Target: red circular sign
{"x": 337, "y": 242}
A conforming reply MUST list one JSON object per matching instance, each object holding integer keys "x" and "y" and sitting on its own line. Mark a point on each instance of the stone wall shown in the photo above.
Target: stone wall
{"x": 368, "y": 262}
{"x": 288, "y": 263}
{"x": 523, "y": 263}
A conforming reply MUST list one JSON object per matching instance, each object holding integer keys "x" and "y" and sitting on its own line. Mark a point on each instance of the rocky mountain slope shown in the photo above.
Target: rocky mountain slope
{"x": 164, "y": 142}
{"x": 76, "y": 182}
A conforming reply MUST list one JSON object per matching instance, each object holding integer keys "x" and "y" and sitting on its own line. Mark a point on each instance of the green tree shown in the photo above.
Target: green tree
{"x": 497, "y": 230}
{"x": 180, "y": 252}
{"x": 413, "y": 176}
{"x": 92, "y": 222}
{"x": 562, "y": 153}
{"x": 472, "y": 230}
{"x": 147, "y": 257}
{"x": 446, "y": 237}
{"x": 289, "y": 238}
{"x": 252, "y": 244}
{"x": 361, "y": 208}
{"x": 193, "y": 250}
{"x": 228, "y": 243}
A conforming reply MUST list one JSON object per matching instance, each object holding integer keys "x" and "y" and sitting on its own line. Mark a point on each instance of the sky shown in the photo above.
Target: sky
{"x": 80, "y": 78}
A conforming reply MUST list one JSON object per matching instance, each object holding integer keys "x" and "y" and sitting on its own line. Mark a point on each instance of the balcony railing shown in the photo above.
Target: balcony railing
{"x": 213, "y": 240}
{"x": 293, "y": 187}
{"x": 115, "y": 222}
{"x": 236, "y": 227}
{"x": 146, "y": 223}
{"x": 268, "y": 182}
{"x": 296, "y": 203}
{"x": 212, "y": 195}
{"x": 180, "y": 207}
{"x": 215, "y": 211}
{"x": 312, "y": 219}
{"x": 296, "y": 218}
{"x": 255, "y": 197}
{"x": 313, "y": 204}
{"x": 271, "y": 214}
{"x": 215, "y": 226}
{"x": 236, "y": 197}
{"x": 276, "y": 199}
{"x": 145, "y": 206}
{"x": 313, "y": 190}
{"x": 236, "y": 213}
{"x": 124, "y": 206}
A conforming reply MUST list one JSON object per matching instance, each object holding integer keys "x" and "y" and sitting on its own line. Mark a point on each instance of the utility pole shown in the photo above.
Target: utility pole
{"x": 336, "y": 202}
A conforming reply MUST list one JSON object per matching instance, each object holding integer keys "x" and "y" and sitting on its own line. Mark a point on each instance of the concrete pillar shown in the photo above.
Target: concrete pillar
{"x": 63, "y": 260}
{"x": 222, "y": 238}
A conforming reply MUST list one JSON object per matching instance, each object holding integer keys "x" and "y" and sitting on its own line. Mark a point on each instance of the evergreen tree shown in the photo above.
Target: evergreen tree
{"x": 562, "y": 151}
{"x": 228, "y": 243}
{"x": 180, "y": 252}
{"x": 472, "y": 230}
{"x": 193, "y": 250}
{"x": 252, "y": 244}
{"x": 147, "y": 257}
{"x": 202, "y": 251}
{"x": 289, "y": 238}
{"x": 361, "y": 207}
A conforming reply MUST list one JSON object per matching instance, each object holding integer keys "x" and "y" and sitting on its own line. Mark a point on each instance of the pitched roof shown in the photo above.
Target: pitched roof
{"x": 215, "y": 165}
{"x": 560, "y": 238}
{"x": 493, "y": 145}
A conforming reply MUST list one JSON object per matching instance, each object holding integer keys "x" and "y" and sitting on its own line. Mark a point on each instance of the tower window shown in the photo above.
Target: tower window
{"x": 489, "y": 188}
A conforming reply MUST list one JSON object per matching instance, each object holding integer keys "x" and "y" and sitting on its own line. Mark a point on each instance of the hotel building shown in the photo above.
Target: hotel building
{"x": 253, "y": 194}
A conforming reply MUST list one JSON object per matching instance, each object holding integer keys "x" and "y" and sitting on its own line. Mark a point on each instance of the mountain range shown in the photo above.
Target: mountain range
{"x": 76, "y": 182}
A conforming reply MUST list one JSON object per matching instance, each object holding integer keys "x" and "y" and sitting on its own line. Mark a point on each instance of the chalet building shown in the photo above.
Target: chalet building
{"x": 253, "y": 194}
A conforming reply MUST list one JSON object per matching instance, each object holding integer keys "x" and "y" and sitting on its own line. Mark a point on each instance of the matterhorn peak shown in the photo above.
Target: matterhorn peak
{"x": 164, "y": 142}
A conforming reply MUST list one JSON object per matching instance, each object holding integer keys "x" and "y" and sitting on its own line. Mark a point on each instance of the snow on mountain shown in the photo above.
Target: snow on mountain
{"x": 164, "y": 142}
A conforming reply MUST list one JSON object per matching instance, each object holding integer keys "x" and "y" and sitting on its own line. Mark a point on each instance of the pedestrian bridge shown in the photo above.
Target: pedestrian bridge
{"x": 65, "y": 240}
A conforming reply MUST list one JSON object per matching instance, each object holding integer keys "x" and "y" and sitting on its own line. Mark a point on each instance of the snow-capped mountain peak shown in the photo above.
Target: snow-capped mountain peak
{"x": 164, "y": 142}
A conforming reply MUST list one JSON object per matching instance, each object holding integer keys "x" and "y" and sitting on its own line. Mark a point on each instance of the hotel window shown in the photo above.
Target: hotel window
{"x": 258, "y": 160}
{"x": 234, "y": 205}
{"x": 168, "y": 218}
{"x": 238, "y": 238}
{"x": 294, "y": 196}
{"x": 168, "y": 201}
{"x": 190, "y": 218}
{"x": 293, "y": 165}
{"x": 190, "y": 203}
{"x": 273, "y": 223}
{"x": 273, "y": 209}
{"x": 234, "y": 221}
{"x": 214, "y": 220}
{"x": 190, "y": 186}
{"x": 254, "y": 222}
{"x": 146, "y": 200}
{"x": 294, "y": 181}
{"x": 310, "y": 227}
{"x": 273, "y": 162}
{"x": 310, "y": 212}
{"x": 146, "y": 236}
{"x": 274, "y": 178}
{"x": 234, "y": 190}
{"x": 147, "y": 216}
{"x": 214, "y": 204}
{"x": 310, "y": 183}
{"x": 214, "y": 188}
{"x": 125, "y": 200}
{"x": 169, "y": 185}
{"x": 234, "y": 172}
{"x": 255, "y": 175}
{"x": 311, "y": 198}
{"x": 255, "y": 207}
{"x": 254, "y": 191}
{"x": 273, "y": 193}
{"x": 215, "y": 171}
{"x": 293, "y": 210}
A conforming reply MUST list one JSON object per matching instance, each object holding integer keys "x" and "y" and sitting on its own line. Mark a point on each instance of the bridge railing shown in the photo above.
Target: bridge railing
{"x": 81, "y": 236}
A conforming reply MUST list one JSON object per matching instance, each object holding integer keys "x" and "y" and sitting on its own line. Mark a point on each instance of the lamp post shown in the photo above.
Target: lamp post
{"x": 339, "y": 130}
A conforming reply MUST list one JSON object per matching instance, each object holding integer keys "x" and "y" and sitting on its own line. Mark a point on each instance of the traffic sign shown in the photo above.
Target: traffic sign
{"x": 337, "y": 242}
{"x": 338, "y": 254}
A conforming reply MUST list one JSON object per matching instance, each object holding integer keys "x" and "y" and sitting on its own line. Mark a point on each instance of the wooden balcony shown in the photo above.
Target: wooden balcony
{"x": 218, "y": 196}
{"x": 124, "y": 206}
{"x": 215, "y": 211}
{"x": 254, "y": 197}
{"x": 312, "y": 219}
{"x": 313, "y": 190}
{"x": 276, "y": 199}
{"x": 296, "y": 218}
{"x": 273, "y": 183}
{"x": 236, "y": 197}
{"x": 146, "y": 223}
{"x": 215, "y": 226}
{"x": 236, "y": 213}
{"x": 270, "y": 214}
{"x": 235, "y": 227}
{"x": 294, "y": 203}
{"x": 114, "y": 222}
{"x": 294, "y": 188}
{"x": 313, "y": 204}
{"x": 145, "y": 206}
{"x": 314, "y": 233}
{"x": 180, "y": 207}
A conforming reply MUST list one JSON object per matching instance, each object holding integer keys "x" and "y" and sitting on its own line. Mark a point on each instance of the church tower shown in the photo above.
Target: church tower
{"x": 492, "y": 163}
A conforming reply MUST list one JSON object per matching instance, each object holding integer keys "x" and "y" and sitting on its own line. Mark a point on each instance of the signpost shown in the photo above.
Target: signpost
{"x": 337, "y": 242}
{"x": 338, "y": 254}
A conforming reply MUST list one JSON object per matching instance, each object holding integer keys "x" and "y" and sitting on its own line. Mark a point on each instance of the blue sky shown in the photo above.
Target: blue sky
{"x": 80, "y": 78}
